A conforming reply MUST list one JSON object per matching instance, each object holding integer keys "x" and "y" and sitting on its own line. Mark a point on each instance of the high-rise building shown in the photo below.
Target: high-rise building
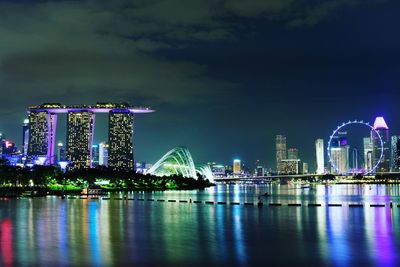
{"x": 42, "y": 133}
{"x": 367, "y": 154}
{"x": 395, "y": 153}
{"x": 305, "y": 168}
{"x": 79, "y": 139}
{"x": 281, "y": 153}
{"x": 382, "y": 129}
{"x": 25, "y": 137}
{"x": 260, "y": 171}
{"x": 103, "y": 154}
{"x": 290, "y": 166}
{"x": 120, "y": 139}
{"x": 319, "y": 150}
{"x": 95, "y": 155}
{"x": 237, "y": 166}
{"x": 340, "y": 159}
{"x": 61, "y": 152}
{"x": 293, "y": 153}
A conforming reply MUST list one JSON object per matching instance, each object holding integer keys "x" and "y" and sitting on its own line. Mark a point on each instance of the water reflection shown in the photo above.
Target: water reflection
{"x": 75, "y": 232}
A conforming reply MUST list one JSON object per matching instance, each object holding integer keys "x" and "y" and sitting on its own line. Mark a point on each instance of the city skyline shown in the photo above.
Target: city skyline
{"x": 44, "y": 120}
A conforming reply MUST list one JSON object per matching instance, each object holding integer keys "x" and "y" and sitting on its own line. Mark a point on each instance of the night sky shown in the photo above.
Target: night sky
{"x": 224, "y": 76}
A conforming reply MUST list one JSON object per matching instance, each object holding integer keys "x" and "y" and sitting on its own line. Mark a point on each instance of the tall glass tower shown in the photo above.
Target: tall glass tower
{"x": 319, "y": 151}
{"x": 25, "y": 137}
{"x": 395, "y": 153}
{"x": 120, "y": 140}
{"x": 42, "y": 133}
{"x": 381, "y": 127}
{"x": 80, "y": 125}
{"x": 281, "y": 153}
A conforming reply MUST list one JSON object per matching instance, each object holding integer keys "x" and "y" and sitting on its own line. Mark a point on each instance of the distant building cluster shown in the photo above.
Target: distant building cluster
{"x": 380, "y": 152}
{"x": 287, "y": 160}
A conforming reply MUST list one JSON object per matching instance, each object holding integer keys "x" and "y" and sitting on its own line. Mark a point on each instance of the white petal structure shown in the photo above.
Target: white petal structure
{"x": 205, "y": 171}
{"x": 177, "y": 161}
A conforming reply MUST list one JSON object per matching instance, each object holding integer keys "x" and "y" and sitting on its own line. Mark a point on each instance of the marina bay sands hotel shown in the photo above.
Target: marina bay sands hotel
{"x": 80, "y": 130}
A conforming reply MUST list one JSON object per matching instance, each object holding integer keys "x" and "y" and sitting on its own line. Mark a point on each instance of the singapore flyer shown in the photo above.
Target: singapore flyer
{"x": 342, "y": 152}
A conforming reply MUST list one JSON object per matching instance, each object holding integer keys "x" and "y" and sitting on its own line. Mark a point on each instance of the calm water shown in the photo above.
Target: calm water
{"x": 75, "y": 232}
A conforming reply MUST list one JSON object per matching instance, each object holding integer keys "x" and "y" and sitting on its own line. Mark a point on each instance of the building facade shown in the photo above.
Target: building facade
{"x": 367, "y": 143}
{"x": 237, "y": 166}
{"x": 80, "y": 126}
{"x": 120, "y": 140}
{"x": 103, "y": 154}
{"x": 25, "y": 137}
{"x": 382, "y": 129}
{"x": 319, "y": 150}
{"x": 290, "y": 166}
{"x": 42, "y": 133}
{"x": 395, "y": 153}
{"x": 340, "y": 159}
{"x": 281, "y": 153}
{"x": 293, "y": 153}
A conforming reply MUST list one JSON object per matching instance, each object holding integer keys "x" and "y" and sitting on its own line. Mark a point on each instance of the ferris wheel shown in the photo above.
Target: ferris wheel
{"x": 364, "y": 124}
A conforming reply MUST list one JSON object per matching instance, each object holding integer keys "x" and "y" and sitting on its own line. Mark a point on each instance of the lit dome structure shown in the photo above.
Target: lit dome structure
{"x": 205, "y": 171}
{"x": 179, "y": 161}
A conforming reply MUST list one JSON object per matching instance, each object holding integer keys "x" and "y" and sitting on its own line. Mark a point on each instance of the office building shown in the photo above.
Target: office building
{"x": 305, "y": 168}
{"x": 259, "y": 171}
{"x": 237, "y": 166}
{"x": 319, "y": 150}
{"x": 61, "y": 153}
{"x": 395, "y": 153}
{"x": 340, "y": 159}
{"x": 95, "y": 155}
{"x": 382, "y": 129}
{"x": 281, "y": 153}
{"x": 42, "y": 133}
{"x": 25, "y": 137}
{"x": 293, "y": 153}
{"x": 79, "y": 139}
{"x": 103, "y": 154}
{"x": 120, "y": 140}
{"x": 367, "y": 143}
{"x": 290, "y": 166}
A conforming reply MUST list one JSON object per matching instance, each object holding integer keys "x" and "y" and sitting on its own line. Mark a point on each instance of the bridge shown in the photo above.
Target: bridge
{"x": 269, "y": 178}
{"x": 305, "y": 177}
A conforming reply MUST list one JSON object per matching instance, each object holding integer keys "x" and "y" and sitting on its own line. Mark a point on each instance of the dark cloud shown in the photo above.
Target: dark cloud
{"x": 120, "y": 50}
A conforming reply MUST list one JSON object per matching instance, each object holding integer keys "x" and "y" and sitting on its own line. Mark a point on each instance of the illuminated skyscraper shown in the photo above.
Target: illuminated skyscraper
{"x": 367, "y": 153}
{"x": 237, "y": 166}
{"x": 80, "y": 126}
{"x": 395, "y": 153}
{"x": 340, "y": 159}
{"x": 381, "y": 127}
{"x": 280, "y": 144}
{"x": 25, "y": 137}
{"x": 95, "y": 155}
{"x": 319, "y": 150}
{"x": 120, "y": 140}
{"x": 103, "y": 154}
{"x": 42, "y": 133}
{"x": 305, "y": 168}
{"x": 293, "y": 153}
{"x": 290, "y": 166}
{"x": 61, "y": 153}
